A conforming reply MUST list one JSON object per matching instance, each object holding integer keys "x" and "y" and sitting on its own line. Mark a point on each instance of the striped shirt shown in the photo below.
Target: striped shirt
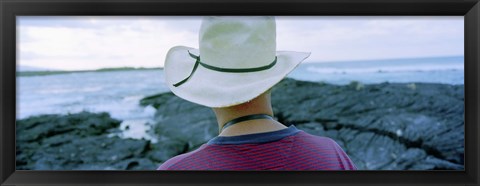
{"x": 286, "y": 149}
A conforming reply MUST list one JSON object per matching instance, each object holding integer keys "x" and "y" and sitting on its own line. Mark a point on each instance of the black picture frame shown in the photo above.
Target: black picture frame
{"x": 9, "y": 9}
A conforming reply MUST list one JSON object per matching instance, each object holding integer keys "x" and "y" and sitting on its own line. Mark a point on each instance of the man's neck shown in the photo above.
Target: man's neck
{"x": 259, "y": 105}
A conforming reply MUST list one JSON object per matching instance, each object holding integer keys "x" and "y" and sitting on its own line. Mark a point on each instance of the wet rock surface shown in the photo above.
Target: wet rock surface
{"x": 77, "y": 142}
{"x": 388, "y": 126}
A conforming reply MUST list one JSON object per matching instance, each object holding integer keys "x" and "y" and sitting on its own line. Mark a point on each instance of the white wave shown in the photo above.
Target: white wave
{"x": 386, "y": 69}
{"x": 136, "y": 129}
{"x": 64, "y": 90}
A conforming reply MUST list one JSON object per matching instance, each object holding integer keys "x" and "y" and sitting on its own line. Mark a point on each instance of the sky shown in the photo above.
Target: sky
{"x": 87, "y": 43}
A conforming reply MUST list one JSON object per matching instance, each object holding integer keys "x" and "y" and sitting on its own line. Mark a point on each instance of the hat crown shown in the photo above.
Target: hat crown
{"x": 237, "y": 42}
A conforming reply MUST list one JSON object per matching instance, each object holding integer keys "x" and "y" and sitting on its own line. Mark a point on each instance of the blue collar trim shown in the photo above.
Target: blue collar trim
{"x": 254, "y": 138}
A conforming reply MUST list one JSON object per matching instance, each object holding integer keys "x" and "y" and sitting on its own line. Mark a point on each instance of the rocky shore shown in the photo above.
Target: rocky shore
{"x": 388, "y": 126}
{"x": 81, "y": 141}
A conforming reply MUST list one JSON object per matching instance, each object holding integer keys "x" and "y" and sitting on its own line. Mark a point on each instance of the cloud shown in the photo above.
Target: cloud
{"x": 358, "y": 38}
{"x": 88, "y": 42}
{"x": 128, "y": 43}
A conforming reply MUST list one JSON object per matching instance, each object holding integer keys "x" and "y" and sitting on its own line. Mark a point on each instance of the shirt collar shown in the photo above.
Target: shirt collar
{"x": 254, "y": 138}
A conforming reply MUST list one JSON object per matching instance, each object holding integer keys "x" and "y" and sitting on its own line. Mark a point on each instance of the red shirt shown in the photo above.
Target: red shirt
{"x": 287, "y": 149}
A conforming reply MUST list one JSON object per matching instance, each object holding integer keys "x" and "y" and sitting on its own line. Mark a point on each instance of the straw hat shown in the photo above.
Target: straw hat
{"x": 236, "y": 62}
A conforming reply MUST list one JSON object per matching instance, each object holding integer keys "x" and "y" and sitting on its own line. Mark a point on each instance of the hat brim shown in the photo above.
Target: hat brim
{"x": 222, "y": 89}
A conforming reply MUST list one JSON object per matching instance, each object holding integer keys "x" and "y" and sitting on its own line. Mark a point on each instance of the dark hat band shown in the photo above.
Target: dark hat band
{"x": 229, "y": 70}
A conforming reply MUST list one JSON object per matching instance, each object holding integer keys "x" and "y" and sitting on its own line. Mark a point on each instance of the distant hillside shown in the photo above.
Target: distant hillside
{"x": 53, "y": 72}
{"x": 25, "y": 68}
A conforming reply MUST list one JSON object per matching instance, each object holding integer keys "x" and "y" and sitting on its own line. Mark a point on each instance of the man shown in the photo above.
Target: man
{"x": 232, "y": 72}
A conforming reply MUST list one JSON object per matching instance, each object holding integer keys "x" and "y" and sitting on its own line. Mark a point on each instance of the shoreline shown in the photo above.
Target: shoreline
{"x": 386, "y": 126}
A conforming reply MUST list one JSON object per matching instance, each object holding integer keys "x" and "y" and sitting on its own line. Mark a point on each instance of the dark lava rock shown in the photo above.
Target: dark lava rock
{"x": 379, "y": 124}
{"x": 77, "y": 142}
{"x": 45, "y": 126}
{"x": 182, "y": 122}
{"x": 387, "y": 126}
{"x": 156, "y": 100}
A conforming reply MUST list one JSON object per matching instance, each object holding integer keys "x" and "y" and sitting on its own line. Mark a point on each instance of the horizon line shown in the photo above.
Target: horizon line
{"x": 153, "y": 67}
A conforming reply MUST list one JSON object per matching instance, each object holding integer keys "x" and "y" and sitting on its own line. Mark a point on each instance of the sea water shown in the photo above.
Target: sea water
{"x": 447, "y": 70}
{"x": 115, "y": 92}
{"x": 119, "y": 92}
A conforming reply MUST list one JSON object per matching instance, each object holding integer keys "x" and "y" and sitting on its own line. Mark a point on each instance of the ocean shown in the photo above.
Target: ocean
{"x": 119, "y": 92}
{"x": 447, "y": 70}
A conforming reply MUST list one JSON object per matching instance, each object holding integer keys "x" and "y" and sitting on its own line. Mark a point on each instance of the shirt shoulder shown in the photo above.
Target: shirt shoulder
{"x": 289, "y": 149}
{"x": 316, "y": 148}
{"x": 177, "y": 159}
